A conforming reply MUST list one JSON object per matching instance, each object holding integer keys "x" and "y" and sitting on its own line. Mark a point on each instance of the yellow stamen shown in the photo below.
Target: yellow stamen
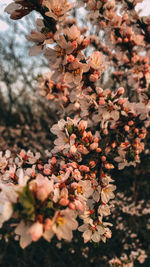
{"x": 76, "y": 72}
{"x": 106, "y": 190}
{"x": 60, "y": 52}
{"x": 96, "y": 62}
{"x": 2, "y": 164}
{"x": 136, "y": 71}
{"x": 60, "y": 221}
{"x": 57, "y": 11}
{"x": 80, "y": 189}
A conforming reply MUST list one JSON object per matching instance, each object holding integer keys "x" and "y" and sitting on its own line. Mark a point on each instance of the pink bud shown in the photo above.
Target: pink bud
{"x": 53, "y": 160}
{"x": 98, "y": 149}
{"x": 119, "y": 40}
{"x": 136, "y": 130}
{"x": 113, "y": 145}
{"x": 145, "y": 59}
{"x": 85, "y": 42}
{"x": 89, "y": 135}
{"x": 42, "y": 194}
{"x": 130, "y": 123}
{"x": 137, "y": 157}
{"x": 109, "y": 166}
{"x": 107, "y": 150}
{"x": 102, "y": 101}
{"x": 72, "y": 206}
{"x": 12, "y": 175}
{"x": 22, "y": 154}
{"x": 120, "y": 91}
{"x": 64, "y": 202}
{"x": 96, "y": 140}
{"x": 40, "y": 167}
{"x": 46, "y": 171}
{"x": 84, "y": 168}
{"x": 126, "y": 40}
{"x": 126, "y": 128}
{"x": 94, "y": 146}
{"x": 75, "y": 45}
{"x": 92, "y": 164}
{"x": 103, "y": 158}
{"x": 73, "y": 136}
{"x": 70, "y": 58}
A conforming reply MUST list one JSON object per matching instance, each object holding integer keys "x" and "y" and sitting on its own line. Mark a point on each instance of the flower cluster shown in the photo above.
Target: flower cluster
{"x": 47, "y": 198}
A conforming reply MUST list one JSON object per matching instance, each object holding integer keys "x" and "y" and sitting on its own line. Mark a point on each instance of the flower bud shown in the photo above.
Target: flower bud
{"x": 92, "y": 164}
{"x": 64, "y": 202}
{"x": 84, "y": 168}
{"x": 130, "y": 123}
{"x": 103, "y": 158}
{"x": 70, "y": 58}
{"x": 47, "y": 171}
{"x": 94, "y": 146}
{"x": 120, "y": 91}
{"x": 98, "y": 150}
{"x": 126, "y": 128}
{"x": 53, "y": 160}
{"x": 102, "y": 101}
{"x": 72, "y": 206}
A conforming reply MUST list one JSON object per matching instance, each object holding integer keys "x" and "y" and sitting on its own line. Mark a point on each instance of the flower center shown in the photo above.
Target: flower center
{"x": 76, "y": 72}
{"x": 106, "y": 190}
{"x": 60, "y": 52}
{"x": 49, "y": 35}
{"x": 60, "y": 221}
{"x": 2, "y": 164}
{"x": 57, "y": 11}
{"x": 80, "y": 189}
{"x": 136, "y": 71}
{"x": 59, "y": 177}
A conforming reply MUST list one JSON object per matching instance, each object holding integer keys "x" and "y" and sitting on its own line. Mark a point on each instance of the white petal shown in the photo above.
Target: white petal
{"x": 87, "y": 235}
{"x": 96, "y": 236}
{"x": 83, "y": 227}
{"x": 34, "y": 50}
{"x": 48, "y": 235}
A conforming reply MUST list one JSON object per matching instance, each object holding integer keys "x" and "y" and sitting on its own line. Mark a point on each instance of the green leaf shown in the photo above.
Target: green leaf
{"x": 27, "y": 203}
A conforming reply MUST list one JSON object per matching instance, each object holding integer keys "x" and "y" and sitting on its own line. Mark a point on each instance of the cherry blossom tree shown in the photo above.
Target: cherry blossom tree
{"x": 100, "y": 128}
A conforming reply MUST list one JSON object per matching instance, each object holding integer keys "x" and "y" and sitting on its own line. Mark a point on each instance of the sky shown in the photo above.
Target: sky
{"x": 3, "y": 4}
{"x": 145, "y": 6}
